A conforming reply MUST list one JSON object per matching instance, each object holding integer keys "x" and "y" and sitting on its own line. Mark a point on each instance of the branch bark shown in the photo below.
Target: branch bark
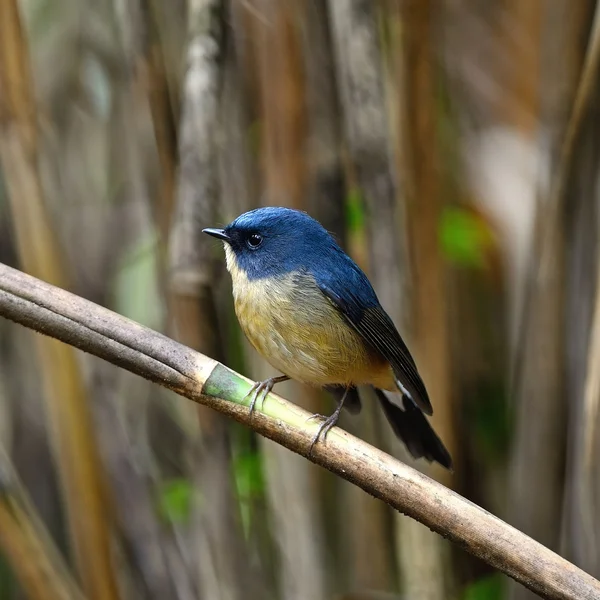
{"x": 71, "y": 319}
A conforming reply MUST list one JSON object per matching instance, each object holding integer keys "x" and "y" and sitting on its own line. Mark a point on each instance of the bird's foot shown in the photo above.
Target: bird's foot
{"x": 323, "y": 430}
{"x": 261, "y": 389}
{"x": 328, "y": 423}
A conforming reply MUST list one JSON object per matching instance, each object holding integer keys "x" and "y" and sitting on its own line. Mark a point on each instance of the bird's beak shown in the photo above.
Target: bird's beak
{"x": 217, "y": 233}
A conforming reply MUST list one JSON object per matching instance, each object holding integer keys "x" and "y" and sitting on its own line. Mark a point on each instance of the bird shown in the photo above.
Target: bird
{"x": 313, "y": 314}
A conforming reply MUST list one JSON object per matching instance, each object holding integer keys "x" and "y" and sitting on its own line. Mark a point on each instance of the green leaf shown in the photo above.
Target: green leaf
{"x": 249, "y": 483}
{"x": 488, "y": 588}
{"x": 248, "y": 474}
{"x": 175, "y": 500}
{"x": 464, "y": 238}
{"x": 355, "y": 210}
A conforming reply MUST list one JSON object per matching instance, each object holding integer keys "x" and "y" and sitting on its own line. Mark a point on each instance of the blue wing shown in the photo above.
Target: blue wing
{"x": 348, "y": 288}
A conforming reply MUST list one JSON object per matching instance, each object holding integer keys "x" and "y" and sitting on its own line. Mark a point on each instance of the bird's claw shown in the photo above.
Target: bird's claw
{"x": 260, "y": 388}
{"x": 329, "y": 422}
{"x": 315, "y": 416}
{"x": 323, "y": 430}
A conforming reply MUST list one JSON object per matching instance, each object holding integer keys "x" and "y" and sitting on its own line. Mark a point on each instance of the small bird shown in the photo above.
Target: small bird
{"x": 307, "y": 307}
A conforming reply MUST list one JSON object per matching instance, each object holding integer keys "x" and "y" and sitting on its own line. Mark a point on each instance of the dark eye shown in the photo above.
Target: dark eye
{"x": 254, "y": 241}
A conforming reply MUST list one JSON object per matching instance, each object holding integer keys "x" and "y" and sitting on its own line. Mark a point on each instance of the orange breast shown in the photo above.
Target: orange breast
{"x": 295, "y": 327}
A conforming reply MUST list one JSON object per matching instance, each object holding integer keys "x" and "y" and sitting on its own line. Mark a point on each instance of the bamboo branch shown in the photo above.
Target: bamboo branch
{"x": 94, "y": 329}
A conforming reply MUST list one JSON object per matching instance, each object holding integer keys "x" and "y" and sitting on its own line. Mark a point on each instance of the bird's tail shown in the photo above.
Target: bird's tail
{"x": 412, "y": 427}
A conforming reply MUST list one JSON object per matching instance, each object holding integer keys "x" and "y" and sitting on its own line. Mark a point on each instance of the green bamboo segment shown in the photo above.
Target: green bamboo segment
{"x": 225, "y": 384}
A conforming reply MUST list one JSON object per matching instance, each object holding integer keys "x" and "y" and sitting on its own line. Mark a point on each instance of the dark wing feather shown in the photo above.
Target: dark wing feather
{"x": 355, "y": 299}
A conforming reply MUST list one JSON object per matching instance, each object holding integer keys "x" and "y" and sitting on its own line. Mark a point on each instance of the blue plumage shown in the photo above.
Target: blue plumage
{"x": 311, "y": 311}
{"x": 294, "y": 241}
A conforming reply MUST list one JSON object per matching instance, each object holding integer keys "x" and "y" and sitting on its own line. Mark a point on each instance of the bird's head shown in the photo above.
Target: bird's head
{"x": 272, "y": 241}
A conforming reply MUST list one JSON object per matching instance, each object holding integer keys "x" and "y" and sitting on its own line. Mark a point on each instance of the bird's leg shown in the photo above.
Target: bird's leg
{"x": 329, "y": 421}
{"x": 262, "y": 388}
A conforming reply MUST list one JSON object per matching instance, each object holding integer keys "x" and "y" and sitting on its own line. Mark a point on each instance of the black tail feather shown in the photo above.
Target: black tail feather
{"x": 413, "y": 428}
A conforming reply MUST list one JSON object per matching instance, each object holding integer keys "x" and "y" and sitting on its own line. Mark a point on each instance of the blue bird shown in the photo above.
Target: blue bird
{"x": 307, "y": 307}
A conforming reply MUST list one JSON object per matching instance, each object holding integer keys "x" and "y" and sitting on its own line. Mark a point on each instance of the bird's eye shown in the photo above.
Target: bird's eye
{"x": 254, "y": 241}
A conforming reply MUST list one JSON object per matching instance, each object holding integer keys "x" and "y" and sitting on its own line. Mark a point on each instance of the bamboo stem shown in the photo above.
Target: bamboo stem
{"x": 89, "y": 327}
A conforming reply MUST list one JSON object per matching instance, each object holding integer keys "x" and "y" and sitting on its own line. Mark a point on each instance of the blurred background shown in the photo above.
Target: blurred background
{"x": 452, "y": 146}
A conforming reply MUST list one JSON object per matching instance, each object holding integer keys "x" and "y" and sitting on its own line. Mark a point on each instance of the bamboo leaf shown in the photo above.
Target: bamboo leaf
{"x": 175, "y": 500}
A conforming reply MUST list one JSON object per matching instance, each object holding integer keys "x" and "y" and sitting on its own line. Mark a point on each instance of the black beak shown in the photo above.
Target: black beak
{"x": 217, "y": 233}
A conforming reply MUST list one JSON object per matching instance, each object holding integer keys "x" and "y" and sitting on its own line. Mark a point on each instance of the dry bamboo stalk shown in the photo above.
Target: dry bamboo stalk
{"x": 89, "y": 327}
{"x": 77, "y": 453}
{"x": 27, "y": 545}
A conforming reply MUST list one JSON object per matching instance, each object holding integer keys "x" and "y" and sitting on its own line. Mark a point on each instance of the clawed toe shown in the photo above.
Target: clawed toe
{"x": 259, "y": 389}
{"x": 323, "y": 430}
{"x": 315, "y": 416}
{"x": 327, "y": 424}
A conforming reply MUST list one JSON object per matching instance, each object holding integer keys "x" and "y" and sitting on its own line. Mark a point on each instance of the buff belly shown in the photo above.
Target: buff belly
{"x": 295, "y": 327}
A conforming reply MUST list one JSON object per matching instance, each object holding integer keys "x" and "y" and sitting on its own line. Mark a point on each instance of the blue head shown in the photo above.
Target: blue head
{"x": 272, "y": 241}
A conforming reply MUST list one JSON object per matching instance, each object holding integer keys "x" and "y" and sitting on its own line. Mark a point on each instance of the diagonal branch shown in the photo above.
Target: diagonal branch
{"x": 94, "y": 329}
